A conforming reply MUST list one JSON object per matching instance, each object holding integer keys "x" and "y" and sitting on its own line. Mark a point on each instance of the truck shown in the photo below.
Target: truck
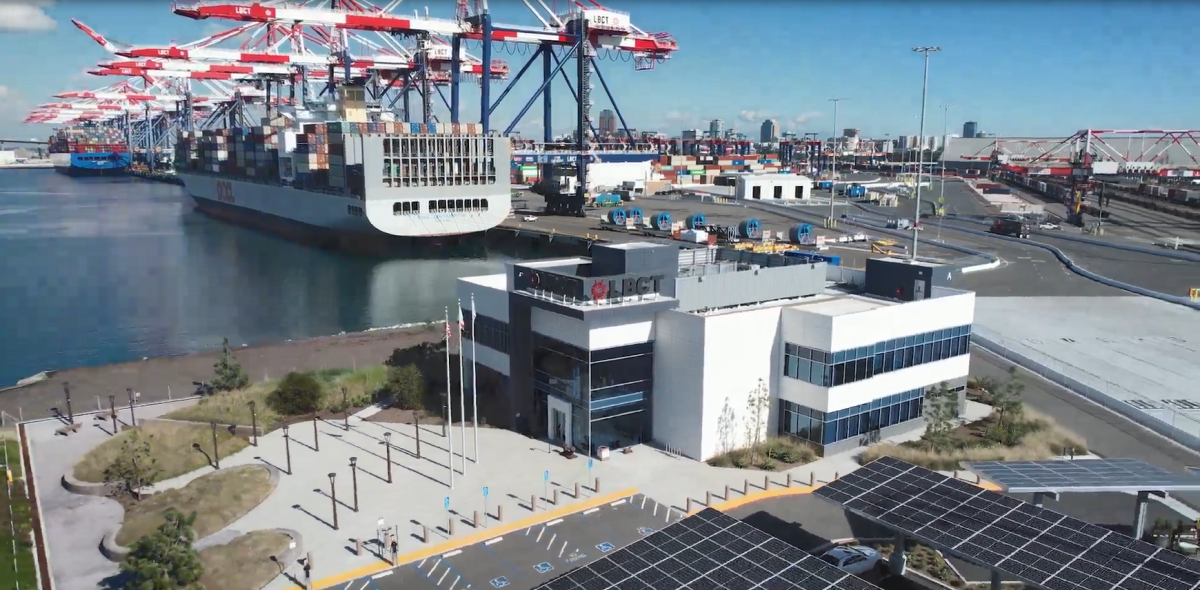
{"x": 1013, "y": 228}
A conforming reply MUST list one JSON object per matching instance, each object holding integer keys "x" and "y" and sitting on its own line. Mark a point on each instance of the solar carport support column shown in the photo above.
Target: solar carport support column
{"x": 1139, "y": 515}
{"x": 898, "y": 559}
{"x": 1039, "y": 498}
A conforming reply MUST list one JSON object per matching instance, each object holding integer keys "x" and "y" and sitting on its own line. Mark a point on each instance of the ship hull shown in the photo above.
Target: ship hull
{"x": 87, "y": 165}
{"x": 307, "y": 217}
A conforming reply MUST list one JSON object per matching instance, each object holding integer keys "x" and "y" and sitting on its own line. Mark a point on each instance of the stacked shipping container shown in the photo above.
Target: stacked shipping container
{"x": 90, "y": 139}
{"x": 705, "y": 169}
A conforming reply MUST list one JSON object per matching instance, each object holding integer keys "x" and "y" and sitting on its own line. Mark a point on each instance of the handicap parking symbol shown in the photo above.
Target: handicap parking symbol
{"x": 605, "y": 547}
{"x": 499, "y": 582}
{"x": 645, "y": 531}
{"x": 543, "y": 567}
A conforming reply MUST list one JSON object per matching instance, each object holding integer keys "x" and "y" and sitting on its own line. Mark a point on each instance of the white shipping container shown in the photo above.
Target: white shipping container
{"x": 695, "y": 236}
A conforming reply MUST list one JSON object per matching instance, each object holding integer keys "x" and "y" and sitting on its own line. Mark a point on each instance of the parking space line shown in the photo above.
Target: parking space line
{"x": 591, "y": 510}
{"x": 382, "y": 575}
{"x": 491, "y": 541}
{"x": 451, "y": 554}
{"x": 539, "y": 537}
{"x": 618, "y": 502}
{"x": 427, "y": 579}
{"x": 551, "y": 543}
{"x": 455, "y": 582}
{"x": 467, "y": 540}
{"x": 643, "y": 506}
{"x": 554, "y": 522}
{"x": 560, "y": 551}
{"x": 443, "y": 576}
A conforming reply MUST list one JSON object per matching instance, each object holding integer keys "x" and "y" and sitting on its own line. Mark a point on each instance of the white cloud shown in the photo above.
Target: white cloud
{"x": 675, "y": 120}
{"x": 26, "y": 16}
{"x": 4, "y": 91}
{"x": 753, "y": 116}
{"x": 799, "y": 120}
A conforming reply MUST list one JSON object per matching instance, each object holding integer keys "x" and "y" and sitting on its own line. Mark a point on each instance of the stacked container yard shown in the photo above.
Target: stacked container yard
{"x": 704, "y": 169}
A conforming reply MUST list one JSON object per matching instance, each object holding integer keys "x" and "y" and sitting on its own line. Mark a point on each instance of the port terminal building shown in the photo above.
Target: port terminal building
{"x": 695, "y": 349}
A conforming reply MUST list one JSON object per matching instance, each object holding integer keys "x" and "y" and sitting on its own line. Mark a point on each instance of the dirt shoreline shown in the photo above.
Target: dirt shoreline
{"x": 157, "y": 377}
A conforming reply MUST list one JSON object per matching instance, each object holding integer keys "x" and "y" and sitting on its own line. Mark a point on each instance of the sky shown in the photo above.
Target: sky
{"x": 1018, "y": 68}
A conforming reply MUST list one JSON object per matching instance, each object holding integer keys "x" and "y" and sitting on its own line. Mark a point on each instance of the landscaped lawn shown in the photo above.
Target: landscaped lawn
{"x": 171, "y": 445}
{"x": 244, "y": 562}
{"x": 24, "y": 571}
{"x": 218, "y": 499}
{"x": 233, "y": 407}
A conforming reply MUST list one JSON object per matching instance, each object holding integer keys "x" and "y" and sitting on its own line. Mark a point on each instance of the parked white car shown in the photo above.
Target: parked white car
{"x": 857, "y": 560}
{"x": 1048, "y": 225}
{"x": 530, "y": 218}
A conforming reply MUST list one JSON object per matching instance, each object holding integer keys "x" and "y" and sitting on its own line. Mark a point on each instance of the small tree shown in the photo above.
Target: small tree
{"x": 941, "y": 408}
{"x": 165, "y": 559}
{"x": 229, "y": 374}
{"x": 757, "y": 406}
{"x": 725, "y": 425}
{"x": 406, "y": 385}
{"x": 134, "y": 470}
{"x": 297, "y": 393}
{"x": 1006, "y": 399}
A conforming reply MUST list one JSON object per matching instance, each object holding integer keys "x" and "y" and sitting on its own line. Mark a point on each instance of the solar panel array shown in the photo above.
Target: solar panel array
{"x": 708, "y": 551}
{"x": 1091, "y": 475}
{"x": 1033, "y": 544}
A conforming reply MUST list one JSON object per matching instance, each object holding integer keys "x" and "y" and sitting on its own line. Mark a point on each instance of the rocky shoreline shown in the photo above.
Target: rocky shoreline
{"x": 163, "y": 378}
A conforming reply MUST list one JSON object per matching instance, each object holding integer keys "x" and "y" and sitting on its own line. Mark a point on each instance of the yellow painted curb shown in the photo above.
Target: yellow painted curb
{"x": 483, "y": 535}
{"x": 760, "y": 495}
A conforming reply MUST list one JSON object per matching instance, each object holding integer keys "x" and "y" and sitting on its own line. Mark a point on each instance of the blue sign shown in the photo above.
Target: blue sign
{"x": 543, "y": 567}
{"x": 605, "y": 547}
{"x": 591, "y": 462}
{"x": 499, "y": 582}
{"x": 546, "y": 475}
{"x": 446, "y": 503}
{"x": 485, "y": 491}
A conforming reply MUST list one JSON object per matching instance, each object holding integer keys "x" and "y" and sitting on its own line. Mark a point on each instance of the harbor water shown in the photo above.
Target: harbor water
{"x": 101, "y": 270}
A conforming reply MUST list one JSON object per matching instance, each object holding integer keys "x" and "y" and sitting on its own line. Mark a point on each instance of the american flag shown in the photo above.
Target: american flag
{"x": 447, "y": 336}
{"x": 461, "y": 324}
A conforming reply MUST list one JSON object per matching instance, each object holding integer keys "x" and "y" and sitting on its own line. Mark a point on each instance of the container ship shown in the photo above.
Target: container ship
{"x": 350, "y": 185}
{"x": 90, "y": 150}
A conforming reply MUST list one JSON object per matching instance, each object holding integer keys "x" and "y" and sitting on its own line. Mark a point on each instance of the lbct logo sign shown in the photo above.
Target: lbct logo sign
{"x": 225, "y": 192}
{"x": 599, "y": 291}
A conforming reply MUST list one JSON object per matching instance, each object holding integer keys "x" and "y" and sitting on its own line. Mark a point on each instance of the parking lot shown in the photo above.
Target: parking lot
{"x": 524, "y": 558}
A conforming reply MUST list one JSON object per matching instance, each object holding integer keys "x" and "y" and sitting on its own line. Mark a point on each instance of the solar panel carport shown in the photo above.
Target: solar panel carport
{"x": 1042, "y": 478}
{"x": 1040, "y": 547}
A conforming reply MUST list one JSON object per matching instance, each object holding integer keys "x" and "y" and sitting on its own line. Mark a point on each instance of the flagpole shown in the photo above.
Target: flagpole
{"x": 462, "y": 391}
{"x": 474, "y": 382}
{"x": 449, "y": 409}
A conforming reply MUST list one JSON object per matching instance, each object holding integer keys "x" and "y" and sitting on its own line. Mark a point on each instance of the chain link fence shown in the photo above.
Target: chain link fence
{"x": 1181, "y": 427}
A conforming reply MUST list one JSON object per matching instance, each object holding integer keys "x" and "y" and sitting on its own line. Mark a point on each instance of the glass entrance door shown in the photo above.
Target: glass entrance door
{"x": 558, "y": 426}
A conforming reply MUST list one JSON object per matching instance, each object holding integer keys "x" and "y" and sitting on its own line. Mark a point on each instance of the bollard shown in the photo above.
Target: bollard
{"x": 955, "y": 474}
{"x": 835, "y": 476}
{"x": 812, "y": 479}
{"x": 689, "y": 506}
{"x": 555, "y": 496}
{"x": 576, "y": 490}
{"x": 766, "y": 481}
{"x": 789, "y": 480}
{"x": 308, "y": 568}
{"x": 424, "y": 534}
{"x": 596, "y": 488}
{"x": 500, "y": 513}
{"x": 450, "y": 526}
{"x": 726, "y": 492}
{"x": 532, "y": 502}
{"x": 476, "y": 523}
{"x": 358, "y": 547}
{"x": 746, "y": 487}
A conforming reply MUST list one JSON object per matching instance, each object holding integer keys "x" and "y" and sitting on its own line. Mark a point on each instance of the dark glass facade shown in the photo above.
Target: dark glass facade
{"x": 492, "y": 333}
{"x": 830, "y": 369}
{"x": 821, "y": 429}
{"x": 609, "y": 390}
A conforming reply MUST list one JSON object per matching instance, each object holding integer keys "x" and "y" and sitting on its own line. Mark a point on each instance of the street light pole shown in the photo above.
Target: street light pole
{"x": 942, "y": 197}
{"x": 254, "y": 422}
{"x": 287, "y": 448}
{"x": 216, "y": 451}
{"x": 387, "y": 443}
{"x": 921, "y": 152}
{"x": 333, "y": 497}
{"x": 833, "y": 160}
{"x": 354, "y": 479}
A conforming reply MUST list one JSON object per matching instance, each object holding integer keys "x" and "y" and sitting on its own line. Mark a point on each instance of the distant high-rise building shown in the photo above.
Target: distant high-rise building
{"x": 970, "y": 129}
{"x": 849, "y": 133}
{"x": 715, "y": 128}
{"x": 608, "y": 123}
{"x": 691, "y": 134}
{"x": 770, "y": 131}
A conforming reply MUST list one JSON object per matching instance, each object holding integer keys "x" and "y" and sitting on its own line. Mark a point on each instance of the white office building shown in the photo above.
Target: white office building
{"x": 773, "y": 187}
{"x": 651, "y": 343}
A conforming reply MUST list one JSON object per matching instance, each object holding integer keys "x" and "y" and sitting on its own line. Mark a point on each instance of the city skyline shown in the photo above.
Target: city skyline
{"x": 881, "y": 80}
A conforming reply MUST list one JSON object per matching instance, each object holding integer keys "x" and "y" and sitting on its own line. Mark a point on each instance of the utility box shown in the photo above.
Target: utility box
{"x": 904, "y": 280}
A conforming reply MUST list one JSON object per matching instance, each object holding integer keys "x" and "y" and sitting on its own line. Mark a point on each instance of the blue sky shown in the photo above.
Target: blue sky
{"x": 1047, "y": 68}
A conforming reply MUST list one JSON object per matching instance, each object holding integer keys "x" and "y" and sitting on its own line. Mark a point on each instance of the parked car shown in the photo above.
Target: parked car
{"x": 857, "y": 560}
{"x": 1048, "y": 225}
{"x": 530, "y": 218}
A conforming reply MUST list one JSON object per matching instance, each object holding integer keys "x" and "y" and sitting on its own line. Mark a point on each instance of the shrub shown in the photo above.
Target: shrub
{"x": 297, "y": 393}
{"x": 228, "y": 372}
{"x": 768, "y": 464}
{"x": 406, "y": 385}
{"x": 740, "y": 459}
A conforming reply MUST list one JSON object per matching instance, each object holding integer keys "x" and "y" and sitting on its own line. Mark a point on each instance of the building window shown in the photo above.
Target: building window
{"x": 355, "y": 211}
{"x": 820, "y": 428}
{"x": 493, "y": 333}
{"x": 559, "y": 368}
{"x": 830, "y": 369}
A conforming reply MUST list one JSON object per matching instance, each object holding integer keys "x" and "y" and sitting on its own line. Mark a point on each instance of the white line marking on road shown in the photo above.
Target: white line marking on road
{"x": 451, "y": 554}
{"x": 491, "y": 541}
{"x": 655, "y": 513}
{"x": 554, "y": 522}
{"x": 422, "y": 564}
{"x": 444, "y": 574}
{"x": 435, "y": 566}
{"x": 527, "y": 531}
{"x": 668, "y": 518}
{"x": 550, "y": 545}
{"x": 455, "y": 582}
{"x": 590, "y": 510}
{"x": 382, "y": 575}
{"x": 539, "y": 537}
{"x": 564, "y": 548}
{"x": 643, "y": 502}
{"x": 618, "y": 502}
{"x": 365, "y": 584}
